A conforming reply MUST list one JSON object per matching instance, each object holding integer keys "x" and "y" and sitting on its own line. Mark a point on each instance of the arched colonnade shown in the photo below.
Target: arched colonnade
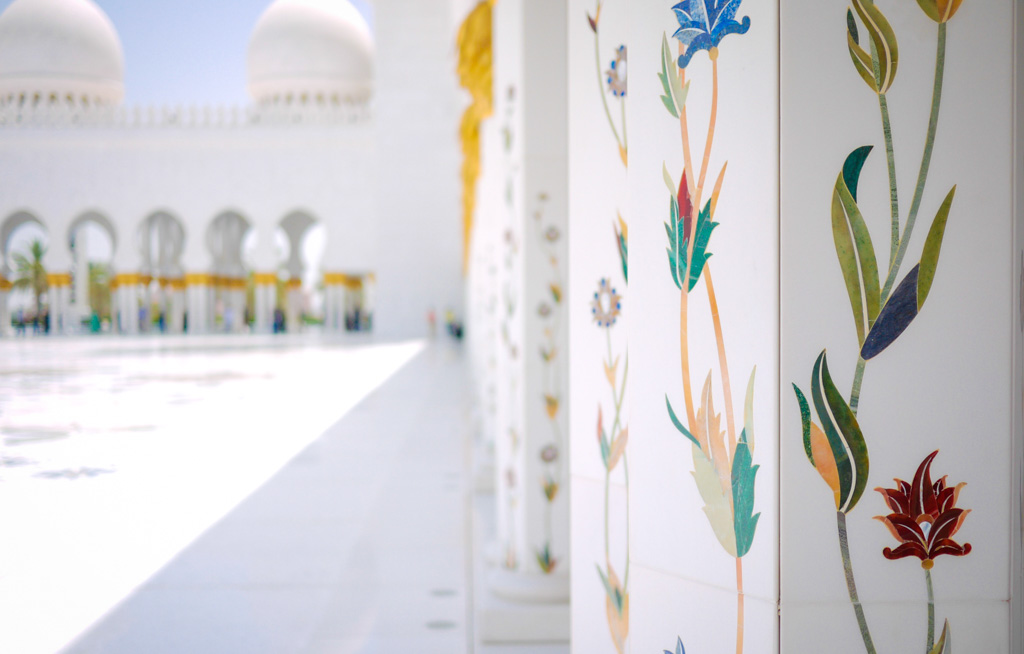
{"x": 153, "y": 275}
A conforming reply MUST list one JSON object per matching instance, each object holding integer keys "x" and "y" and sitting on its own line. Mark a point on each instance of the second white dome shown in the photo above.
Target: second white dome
{"x": 306, "y": 51}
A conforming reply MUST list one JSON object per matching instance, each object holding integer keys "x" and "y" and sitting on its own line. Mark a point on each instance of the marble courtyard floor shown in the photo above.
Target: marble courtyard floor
{"x": 233, "y": 494}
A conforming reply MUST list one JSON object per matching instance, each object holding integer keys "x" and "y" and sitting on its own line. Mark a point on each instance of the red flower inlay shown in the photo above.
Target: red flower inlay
{"x": 924, "y": 517}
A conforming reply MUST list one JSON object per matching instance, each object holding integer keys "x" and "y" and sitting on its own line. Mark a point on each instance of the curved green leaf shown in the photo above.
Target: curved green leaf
{"x": 805, "y": 422}
{"x": 945, "y": 642}
{"x": 861, "y": 59}
{"x": 701, "y": 239}
{"x": 931, "y": 8}
{"x": 748, "y": 412}
{"x": 744, "y": 474}
{"x": 853, "y": 166}
{"x": 932, "y": 246}
{"x": 853, "y": 245}
{"x": 843, "y": 433}
{"x": 667, "y": 178}
{"x": 673, "y": 91}
{"x": 679, "y": 244}
{"x": 676, "y": 244}
{"x": 716, "y": 503}
{"x": 675, "y": 421}
{"x": 856, "y": 258}
{"x": 884, "y": 40}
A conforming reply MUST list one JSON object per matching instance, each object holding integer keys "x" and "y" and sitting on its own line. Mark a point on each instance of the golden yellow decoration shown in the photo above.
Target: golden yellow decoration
{"x": 58, "y": 279}
{"x": 264, "y": 279}
{"x": 294, "y": 284}
{"x": 5, "y": 284}
{"x": 351, "y": 282}
{"x": 198, "y": 279}
{"x": 475, "y": 72}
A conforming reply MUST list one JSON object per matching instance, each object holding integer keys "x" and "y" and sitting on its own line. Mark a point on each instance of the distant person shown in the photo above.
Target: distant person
{"x": 454, "y": 327}
{"x": 279, "y": 325}
{"x": 94, "y": 323}
{"x": 432, "y": 322}
{"x": 229, "y": 319}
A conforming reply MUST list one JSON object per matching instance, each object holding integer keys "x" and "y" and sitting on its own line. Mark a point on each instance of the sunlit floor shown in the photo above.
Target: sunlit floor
{"x": 176, "y": 495}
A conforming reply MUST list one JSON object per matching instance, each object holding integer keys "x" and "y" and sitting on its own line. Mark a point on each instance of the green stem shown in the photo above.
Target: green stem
{"x": 858, "y": 381}
{"x": 890, "y": 154}
{"x": 851, "y": 584}
{"x": 926, "y": 159}
{"x": 890, "y": 158}
{"x": 600, "y": 88}
{"x": 931, "y": 610}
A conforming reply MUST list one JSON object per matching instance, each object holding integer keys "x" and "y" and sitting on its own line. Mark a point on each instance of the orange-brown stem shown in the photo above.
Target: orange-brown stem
{"x": 684, "y": 347}
{"x": 711, "y": 127}
{"x": 722, "y": 362}
{"x": 739, "y": 605}
{"x": 684, "y": 357}
{"x": 684, "y": 130}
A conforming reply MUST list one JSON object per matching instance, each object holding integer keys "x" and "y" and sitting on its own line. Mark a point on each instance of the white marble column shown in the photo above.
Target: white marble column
{"x": 198, "y": 287}
{"x": 265, "y": 301}
{"x": 177, "y": 306}
{"x": 334, "y": 302}
{"x": 57, "y": 261}
{"x": 531, "y": 439}
{"x": 127, "y": 294}
{"x": 198, "y": 292}
{"x": 484, "y": 306}
{"x": 293, "y": 309}
{"x": 80, "y": 294}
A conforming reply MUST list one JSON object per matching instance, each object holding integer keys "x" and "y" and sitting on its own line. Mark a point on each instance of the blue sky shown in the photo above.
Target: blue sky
{"x": 185, "y": 51}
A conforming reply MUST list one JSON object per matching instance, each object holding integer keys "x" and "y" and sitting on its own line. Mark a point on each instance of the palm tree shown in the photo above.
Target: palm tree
{"x": 30, "y": 273}
{"x": 99, "y": 289}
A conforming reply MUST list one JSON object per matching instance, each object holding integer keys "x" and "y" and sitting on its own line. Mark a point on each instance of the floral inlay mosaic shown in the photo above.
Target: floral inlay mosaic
{"x": 606, "y": 309}
{"x": 510, "y": 300}
{"x": 550, "y": 311}
{"x": 723, "y": 460}
{"x": 924, "y": 516}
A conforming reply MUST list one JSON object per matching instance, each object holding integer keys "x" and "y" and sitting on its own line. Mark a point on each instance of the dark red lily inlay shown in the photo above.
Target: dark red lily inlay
{"x": 924, "y": 517}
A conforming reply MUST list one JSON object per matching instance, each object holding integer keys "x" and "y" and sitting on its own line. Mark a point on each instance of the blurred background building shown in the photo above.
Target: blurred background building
{"x": 332, "y": 196}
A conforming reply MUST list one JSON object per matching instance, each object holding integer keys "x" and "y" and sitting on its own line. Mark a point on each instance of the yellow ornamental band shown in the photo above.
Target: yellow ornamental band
{"x": 127, "y": 279}
{"x": 5, "y": 284}
{"x": 264, "y": 279}
{"x": 341, "y": 279}
{"x": 198, "y": 279}
{"x": 58, "y": 279}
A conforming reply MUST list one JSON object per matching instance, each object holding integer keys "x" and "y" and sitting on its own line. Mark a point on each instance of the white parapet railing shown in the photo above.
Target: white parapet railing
{"x": 68, "y": 115}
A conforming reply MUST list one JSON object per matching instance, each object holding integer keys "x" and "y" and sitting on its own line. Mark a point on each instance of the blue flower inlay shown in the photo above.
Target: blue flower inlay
{"x": 704, "y": 23}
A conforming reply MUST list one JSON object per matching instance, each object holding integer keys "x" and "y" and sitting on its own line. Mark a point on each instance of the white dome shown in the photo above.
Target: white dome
{"x": 53, "y": 50}
{"x": 311, "y": 51}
